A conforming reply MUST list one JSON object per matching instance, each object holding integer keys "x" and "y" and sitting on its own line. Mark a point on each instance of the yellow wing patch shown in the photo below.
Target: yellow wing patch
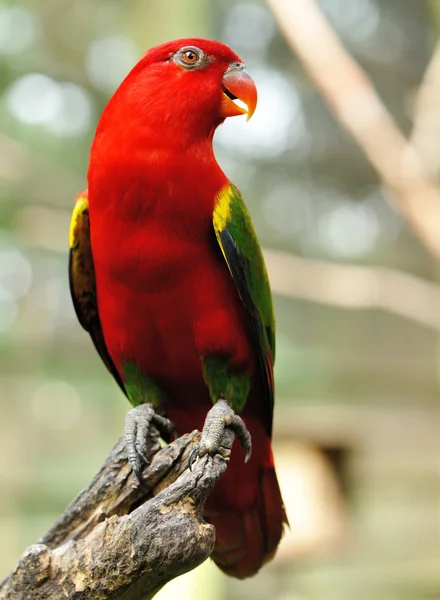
{"x": 81, "y": 269}
{"x": 221, "y": 216}
{"x": 77, "y": 220}
{"x": 222, "y": 210}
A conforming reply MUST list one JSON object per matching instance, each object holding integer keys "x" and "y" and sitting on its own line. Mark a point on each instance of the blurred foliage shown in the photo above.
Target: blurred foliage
{"x": 311, "y": 192}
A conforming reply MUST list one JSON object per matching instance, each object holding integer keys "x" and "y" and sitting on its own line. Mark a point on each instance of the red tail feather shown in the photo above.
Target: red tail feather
{"x": 245, "y": 505}
{"x": 247, "y": 539}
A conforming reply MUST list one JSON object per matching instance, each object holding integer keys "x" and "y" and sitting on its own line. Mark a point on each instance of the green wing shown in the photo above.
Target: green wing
{"x": 241, "y": 250}
{"x": 82, "y": 281}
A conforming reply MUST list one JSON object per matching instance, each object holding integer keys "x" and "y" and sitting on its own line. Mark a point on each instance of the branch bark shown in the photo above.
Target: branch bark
{"x": 120, "y": 541}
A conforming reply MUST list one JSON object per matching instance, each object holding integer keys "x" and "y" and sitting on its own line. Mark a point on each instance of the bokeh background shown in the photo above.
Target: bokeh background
{"x": 357, "y": 427}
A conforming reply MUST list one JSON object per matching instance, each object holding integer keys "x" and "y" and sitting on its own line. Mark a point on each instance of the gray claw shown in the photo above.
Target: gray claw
{"x": 165, "y": 426}
{"x": 142, "y": 456}
{"x": 220, "y": 418}
{"x": 242, "y": 432}
{"x": 138, "y": 475}
{"x": 139, "y": 422}
{"x": 193, "y": 455}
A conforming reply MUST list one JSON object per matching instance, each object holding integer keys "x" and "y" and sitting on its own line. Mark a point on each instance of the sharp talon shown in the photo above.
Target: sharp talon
{"x": 138, "y": 476}
{"x": 142, "y": 429}
{"x": 143, "y": 457}
{"x": 219, "y": 420}
{"x": 192, "y": 456}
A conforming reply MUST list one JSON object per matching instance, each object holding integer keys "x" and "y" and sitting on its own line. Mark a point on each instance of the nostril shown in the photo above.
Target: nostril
{"x": 236, "y": 66}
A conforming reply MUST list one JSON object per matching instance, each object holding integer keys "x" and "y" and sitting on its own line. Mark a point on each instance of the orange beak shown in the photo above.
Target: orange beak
{"x": 238, "y": 85}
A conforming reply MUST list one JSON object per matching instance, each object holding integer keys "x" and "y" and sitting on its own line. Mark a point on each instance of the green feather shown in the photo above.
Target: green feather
{"x": 231, "y": 213}
{"x": 140, "y": 388}
{"x": 242, "y": 252}
{"x": 233, "y": 387}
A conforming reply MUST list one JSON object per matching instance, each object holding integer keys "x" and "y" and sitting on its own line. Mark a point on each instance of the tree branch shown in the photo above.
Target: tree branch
{"x": 425, "y": 136}
{"x": 357, "y": 106}
{"x": 355, "y": 287}
{"x": 118, "y": 540}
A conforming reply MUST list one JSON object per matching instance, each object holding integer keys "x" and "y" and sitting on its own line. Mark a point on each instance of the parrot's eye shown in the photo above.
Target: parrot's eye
{"x": 190, "y": 57}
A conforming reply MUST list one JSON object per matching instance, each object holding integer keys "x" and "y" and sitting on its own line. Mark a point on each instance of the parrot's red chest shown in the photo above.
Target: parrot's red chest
{"x": 165, "y": 295}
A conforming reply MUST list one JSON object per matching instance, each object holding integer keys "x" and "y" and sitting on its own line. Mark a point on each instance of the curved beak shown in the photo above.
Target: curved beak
{"x": 238, "y": 85}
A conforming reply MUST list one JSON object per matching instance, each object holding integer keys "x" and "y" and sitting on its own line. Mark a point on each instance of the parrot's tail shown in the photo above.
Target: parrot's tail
{"x": 245, "y": 541}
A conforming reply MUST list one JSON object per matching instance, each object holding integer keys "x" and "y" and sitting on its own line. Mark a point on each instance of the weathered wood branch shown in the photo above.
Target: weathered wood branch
{"x": 120, "y": 541}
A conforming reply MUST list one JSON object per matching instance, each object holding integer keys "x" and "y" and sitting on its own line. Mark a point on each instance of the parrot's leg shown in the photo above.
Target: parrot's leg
{"x": 220, "y": 417}
{"x": 229, "y": 392}
{"x": 140, "y": 423}
{"x": 143, "y": 424}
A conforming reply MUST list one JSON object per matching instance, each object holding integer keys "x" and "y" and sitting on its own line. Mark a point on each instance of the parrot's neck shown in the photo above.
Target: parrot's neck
{"x": 144, "y": 171}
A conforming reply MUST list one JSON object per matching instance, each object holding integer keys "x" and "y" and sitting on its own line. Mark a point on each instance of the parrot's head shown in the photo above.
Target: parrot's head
{"x": 187, "y": 87}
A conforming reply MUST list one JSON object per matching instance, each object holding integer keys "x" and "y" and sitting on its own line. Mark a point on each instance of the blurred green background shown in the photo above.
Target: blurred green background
{"x": 357, "y": 426}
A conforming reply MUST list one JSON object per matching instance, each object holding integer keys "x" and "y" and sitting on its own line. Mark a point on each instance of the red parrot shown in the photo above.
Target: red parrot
{"x": 167, "y": 276}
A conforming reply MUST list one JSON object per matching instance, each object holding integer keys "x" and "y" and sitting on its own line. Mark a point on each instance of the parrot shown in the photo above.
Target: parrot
{"x": 167, "y": 276}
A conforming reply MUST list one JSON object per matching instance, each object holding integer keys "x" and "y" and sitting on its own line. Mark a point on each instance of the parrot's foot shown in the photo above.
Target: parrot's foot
{"x": 141, "y": 423}
{"x": 220, "y": 417}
